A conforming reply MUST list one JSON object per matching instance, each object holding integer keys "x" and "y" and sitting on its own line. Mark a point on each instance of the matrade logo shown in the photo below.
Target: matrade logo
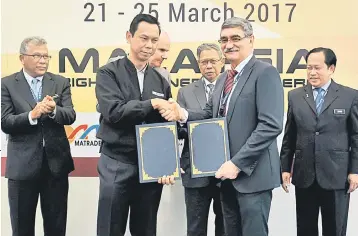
{"x": 83, "y": 135}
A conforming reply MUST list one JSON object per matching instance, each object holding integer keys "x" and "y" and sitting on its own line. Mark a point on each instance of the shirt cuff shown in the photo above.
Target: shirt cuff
{"x": 52, "y": 114}
{"x": 185, "y": 119}
{"x": 32, "y": 122}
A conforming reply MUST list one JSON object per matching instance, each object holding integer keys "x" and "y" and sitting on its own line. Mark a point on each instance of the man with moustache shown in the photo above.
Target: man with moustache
{"x": 250, "y": 96}
{"x": 199, "y": 192}
{"x": 321, "y": 141}
{"x": 129, "y": 93}
{"x": 160, "y": 55}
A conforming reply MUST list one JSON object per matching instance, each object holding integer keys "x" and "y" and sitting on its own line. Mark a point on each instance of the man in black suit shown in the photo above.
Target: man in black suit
{"x": 129, "y": 93}
{"x": 199, "y": 192}
{"x": 35, "y": 106}
{"x": 321, "y": 141}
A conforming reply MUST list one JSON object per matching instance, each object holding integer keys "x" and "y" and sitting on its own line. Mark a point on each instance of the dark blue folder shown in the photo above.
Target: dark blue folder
{"x": 209, "y": 146}
{"x": 158, "y": 153}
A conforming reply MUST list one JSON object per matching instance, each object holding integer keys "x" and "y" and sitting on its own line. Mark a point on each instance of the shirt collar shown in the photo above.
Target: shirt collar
{"x": 243, "y": 63}
{"x": 29, "y": 78}
{"x": 206, "y": 82}
{"x": 143, "y": 69}
{"x": 324, "y": 87}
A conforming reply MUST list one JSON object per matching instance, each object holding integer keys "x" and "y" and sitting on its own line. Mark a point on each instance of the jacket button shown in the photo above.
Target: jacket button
{"x": 317, "y": 133}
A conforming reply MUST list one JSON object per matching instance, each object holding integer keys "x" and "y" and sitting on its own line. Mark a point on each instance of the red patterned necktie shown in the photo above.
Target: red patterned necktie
{"x": 229, "y": 82}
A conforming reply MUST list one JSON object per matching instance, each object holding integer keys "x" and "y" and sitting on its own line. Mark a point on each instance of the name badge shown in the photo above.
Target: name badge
{"x": 339, "y": 111}
{"x": 158, "y": 94}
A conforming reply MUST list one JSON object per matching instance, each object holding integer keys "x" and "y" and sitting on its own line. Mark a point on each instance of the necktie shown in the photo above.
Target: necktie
{"x": 229, "y": 82}
{"x": 319, "y": 99}
{"x": 36, "y": 89}
{"x": 210, "y": 90}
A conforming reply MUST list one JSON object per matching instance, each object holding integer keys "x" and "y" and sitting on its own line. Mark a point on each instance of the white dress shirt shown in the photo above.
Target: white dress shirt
{"x": 239, "y": 68}
{"x": 29, "y": 79}
{"x": 207, "y": 89}
{"x": 324, "y": 87}
{"x": 140, "y": 75}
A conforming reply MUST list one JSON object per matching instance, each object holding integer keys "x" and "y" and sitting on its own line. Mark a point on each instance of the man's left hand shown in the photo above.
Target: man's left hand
{"x": 228, "y": 170}
{"x": 50, "y": 103}
{"x": 353, "y": 182}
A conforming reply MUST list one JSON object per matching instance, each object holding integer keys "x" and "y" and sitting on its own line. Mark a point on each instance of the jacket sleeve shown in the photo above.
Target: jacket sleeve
{"x": 112, "y": 104}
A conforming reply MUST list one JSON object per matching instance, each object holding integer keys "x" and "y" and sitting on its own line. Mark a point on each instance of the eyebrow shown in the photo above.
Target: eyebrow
{"x": 235, "y": 35}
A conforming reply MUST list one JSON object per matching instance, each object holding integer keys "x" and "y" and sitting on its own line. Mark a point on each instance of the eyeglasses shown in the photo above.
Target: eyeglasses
{"x": 37, "y": 57}
{"x": 233, "y": 39}
{"x": 206, "y": 62}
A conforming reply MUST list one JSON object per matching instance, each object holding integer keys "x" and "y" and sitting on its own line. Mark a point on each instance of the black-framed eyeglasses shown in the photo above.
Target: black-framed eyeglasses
{"x": 233, "y": 39}
{"x": 37, "y": 57}
{"x": 206, "y": 62}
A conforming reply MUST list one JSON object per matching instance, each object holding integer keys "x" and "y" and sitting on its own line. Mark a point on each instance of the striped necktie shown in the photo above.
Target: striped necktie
{"x": 229, "y": 82}
{"x": 36, "y": 89}
{"x": 319, "y": 99}
{"x": 210, "y": 90}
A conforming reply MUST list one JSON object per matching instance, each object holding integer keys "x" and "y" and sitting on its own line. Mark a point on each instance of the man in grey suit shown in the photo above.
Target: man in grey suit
{"x": 250, "y": 96}
{"x": 35, "y": 106}
{"x": 199, "y": 192}
{"x": 322, "y": 133}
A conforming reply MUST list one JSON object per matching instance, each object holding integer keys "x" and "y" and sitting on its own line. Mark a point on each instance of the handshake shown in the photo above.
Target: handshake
{"x": 170, "y": 110}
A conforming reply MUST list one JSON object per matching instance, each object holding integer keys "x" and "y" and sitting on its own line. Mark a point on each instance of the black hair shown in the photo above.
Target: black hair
{"x": 330, "y": 56}
{"x": 142, "y": 17}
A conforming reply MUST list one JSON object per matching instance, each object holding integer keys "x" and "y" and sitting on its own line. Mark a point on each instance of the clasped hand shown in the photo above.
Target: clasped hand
{"x": 46, "y": 106}
{"x": 170, "y": 110}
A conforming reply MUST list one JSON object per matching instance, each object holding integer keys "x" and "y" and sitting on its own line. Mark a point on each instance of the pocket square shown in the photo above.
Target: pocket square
{"x": 339, "y": 111}
{"x": 158, "y": 94}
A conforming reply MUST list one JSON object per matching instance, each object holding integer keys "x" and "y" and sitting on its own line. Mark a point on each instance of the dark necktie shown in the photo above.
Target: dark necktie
{"x": 229, "y": 82}
{"x": 228, "y": 85}
{"x": 210, "y": 90}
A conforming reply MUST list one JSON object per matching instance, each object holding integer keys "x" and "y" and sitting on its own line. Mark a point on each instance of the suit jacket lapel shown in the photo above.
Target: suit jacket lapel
{"x": 24, "y": 89}
{"x": 219, "y": 86}
{"x": 331, "y": 95}
{"x": 239, "y": 86}
{"x": 47, "y": 85}
{"x": 200, "y": 94}
{"x": 308, "y": 96}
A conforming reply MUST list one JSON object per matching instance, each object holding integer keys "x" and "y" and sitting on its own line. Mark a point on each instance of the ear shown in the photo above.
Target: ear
{"x": 252, "y": 39}
{"x": 128, "y": 36}
{"x": 332, "y": 68}
{"x": 21, "y": 58}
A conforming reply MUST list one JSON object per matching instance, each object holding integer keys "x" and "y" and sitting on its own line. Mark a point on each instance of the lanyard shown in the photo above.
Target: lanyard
{"x": 225, "y": 99}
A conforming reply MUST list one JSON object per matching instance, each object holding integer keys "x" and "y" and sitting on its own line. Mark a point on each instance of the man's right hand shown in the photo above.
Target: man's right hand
{"x": 286, "y": 179}
{"x": 170, "y": 110}
{"x": 39, "y": 109}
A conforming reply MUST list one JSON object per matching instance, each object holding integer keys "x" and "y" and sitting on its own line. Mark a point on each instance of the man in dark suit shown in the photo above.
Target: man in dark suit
{"x": 322, "y": 133}
{"x": 199, "y": 192}
{"x": 35, "y": 106}
{"x": 129, "y": 92}
{"x": 250, "y": 96}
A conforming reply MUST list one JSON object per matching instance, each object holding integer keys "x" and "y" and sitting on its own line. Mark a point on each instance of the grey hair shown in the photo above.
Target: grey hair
{"x": 35, "y": 40}
{"x": 209, "y": 46}
{"x": 235, "y": 22}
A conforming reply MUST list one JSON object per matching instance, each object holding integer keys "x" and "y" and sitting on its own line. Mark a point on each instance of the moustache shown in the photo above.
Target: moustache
{"x": 230, "y": 50}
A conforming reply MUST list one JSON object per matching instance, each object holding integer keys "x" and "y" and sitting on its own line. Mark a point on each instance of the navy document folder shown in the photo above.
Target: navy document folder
{"x": 158, "y": 153}
{"x": 209, "y": 146}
